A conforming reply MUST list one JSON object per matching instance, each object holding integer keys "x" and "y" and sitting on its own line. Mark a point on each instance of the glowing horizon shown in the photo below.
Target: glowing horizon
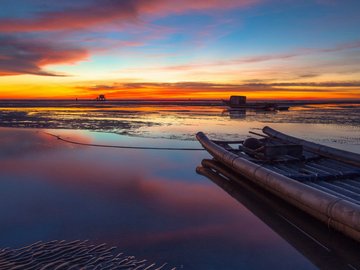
{"x": 161, "y": 49}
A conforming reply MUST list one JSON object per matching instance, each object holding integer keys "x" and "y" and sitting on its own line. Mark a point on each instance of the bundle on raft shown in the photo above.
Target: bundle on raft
{"x": 320, "y": 180}
{"x": 61, "y": 255}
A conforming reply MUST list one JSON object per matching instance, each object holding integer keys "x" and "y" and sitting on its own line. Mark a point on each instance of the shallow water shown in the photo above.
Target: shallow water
{"x": 150, "y": 204}
{"x": 332, "y": 124}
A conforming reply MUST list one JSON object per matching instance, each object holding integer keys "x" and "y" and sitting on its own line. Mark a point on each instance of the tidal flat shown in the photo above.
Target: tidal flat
{"x": 151, "y": 203}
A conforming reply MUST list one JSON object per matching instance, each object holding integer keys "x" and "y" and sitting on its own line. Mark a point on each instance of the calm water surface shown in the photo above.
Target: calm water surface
{"x": 152, "y": 204}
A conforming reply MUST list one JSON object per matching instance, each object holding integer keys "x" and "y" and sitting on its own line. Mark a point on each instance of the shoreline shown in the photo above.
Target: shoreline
{"x": 31, "y": 103}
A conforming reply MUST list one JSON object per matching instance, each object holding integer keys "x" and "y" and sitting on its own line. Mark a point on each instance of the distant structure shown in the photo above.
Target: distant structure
{"x": 101, "y": 98}
{"x": 237, "y": 100}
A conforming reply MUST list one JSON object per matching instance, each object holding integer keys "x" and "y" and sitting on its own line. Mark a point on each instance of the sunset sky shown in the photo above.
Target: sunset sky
{"x": 201, "y": 49}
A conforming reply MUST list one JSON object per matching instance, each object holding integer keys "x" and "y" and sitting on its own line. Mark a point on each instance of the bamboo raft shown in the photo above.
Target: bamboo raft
{"x": 61, "y": 255}
{"x": 320, "y": 180}
{"x": 326, "y": 249}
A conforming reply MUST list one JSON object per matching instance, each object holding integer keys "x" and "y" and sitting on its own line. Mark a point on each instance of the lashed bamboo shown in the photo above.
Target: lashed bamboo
{"x": 338, "y": 213}
{"x": 337, "y": 154}
{"x": 60, "y": 255}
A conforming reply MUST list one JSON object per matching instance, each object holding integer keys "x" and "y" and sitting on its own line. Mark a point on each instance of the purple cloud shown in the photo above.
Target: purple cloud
{"x": 19, "y": 56}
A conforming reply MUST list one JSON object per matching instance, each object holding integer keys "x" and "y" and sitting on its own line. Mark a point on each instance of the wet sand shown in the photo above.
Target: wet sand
{"x": 182, "y": 122}
{"x": 70, "y": 255}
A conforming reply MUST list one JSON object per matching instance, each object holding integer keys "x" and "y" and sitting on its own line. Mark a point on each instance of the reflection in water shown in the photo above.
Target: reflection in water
{"x": 326, "y": 249}
{"x": 251, "y": 114}
{"x": 149, "y": 204}
{"x": 236, "y": 114}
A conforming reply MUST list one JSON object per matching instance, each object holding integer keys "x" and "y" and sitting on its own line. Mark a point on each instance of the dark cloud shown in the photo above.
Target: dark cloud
{"x": 310, "y": 84}
{"x": 212, "y": 87}
{"x": 19, "y": 56}
{"x": 308, "y": 75}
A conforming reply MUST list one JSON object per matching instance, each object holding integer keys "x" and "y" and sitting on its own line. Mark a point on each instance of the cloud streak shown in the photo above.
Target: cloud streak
{"x": 94, "y": 13}
{"x": 268, "y": 57}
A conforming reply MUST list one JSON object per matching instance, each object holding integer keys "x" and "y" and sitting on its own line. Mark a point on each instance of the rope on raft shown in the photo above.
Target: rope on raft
{"x": 124, "y": 146}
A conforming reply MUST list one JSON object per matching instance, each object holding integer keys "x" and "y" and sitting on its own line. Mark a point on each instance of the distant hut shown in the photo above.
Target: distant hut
{"x": 101, "y": 98}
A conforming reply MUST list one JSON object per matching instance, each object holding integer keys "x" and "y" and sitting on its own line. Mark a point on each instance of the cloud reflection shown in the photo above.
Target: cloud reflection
{"x": 20, "y": 143}
{"x": 150, "y": 204}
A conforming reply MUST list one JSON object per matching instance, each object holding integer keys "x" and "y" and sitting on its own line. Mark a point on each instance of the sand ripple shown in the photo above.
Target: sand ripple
{"x": 61, "y": 255}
